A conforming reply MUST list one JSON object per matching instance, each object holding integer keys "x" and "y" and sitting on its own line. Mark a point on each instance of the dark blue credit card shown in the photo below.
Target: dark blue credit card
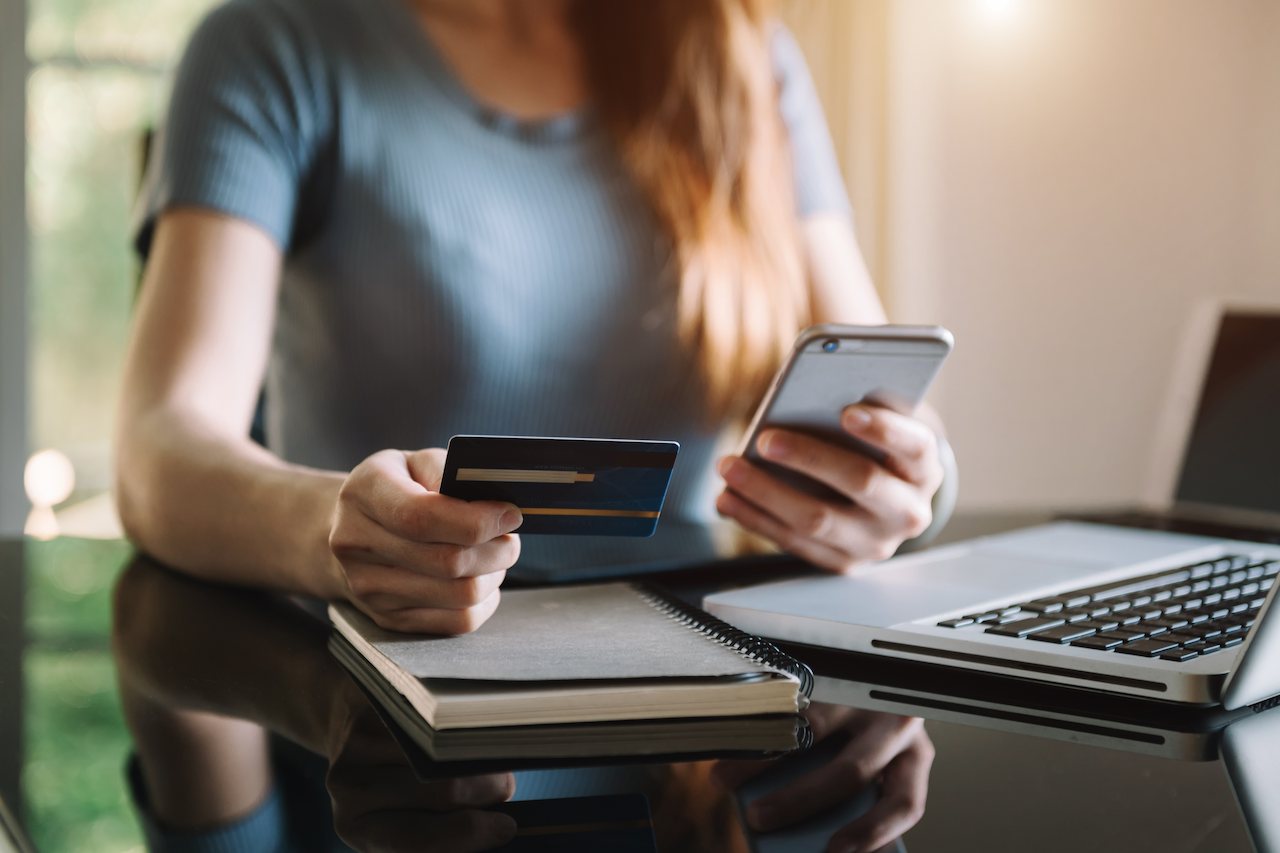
{"x": 575, "y": 486}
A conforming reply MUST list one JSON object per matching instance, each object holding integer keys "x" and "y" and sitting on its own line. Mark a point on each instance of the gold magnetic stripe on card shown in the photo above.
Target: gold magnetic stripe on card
{"x": 520, "y": 475}
{"x": 609, "y": 513}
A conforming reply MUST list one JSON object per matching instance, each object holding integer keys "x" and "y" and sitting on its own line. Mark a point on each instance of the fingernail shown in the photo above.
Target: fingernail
{"x": 774, "y": 445}
{"x": 855, "y": 417}
{"x": 724, "y": 464}
{"x": 760, "y": 816}
{"x": 511, "y": 519}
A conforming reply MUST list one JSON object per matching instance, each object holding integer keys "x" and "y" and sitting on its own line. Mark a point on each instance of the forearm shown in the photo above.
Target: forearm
{"x": 225, "y": 509}
{"x": 256, "y": 654}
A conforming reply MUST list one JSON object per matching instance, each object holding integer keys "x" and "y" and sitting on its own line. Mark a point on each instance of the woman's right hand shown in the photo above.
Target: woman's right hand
{"x": 413, "y": 559}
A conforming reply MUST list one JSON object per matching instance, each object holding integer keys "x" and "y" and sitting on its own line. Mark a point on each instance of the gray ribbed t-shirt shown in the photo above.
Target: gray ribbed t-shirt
{"x": 448, "y": 269}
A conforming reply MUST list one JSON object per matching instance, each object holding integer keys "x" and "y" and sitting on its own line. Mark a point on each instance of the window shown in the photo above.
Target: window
{"x": 95, "y": 85}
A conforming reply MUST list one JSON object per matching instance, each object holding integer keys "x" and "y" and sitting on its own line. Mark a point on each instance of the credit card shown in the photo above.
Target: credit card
{"x": 574, "y": 486}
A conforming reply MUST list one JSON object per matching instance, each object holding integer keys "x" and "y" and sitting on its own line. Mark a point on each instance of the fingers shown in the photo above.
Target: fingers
{"x": 899, "y": 504}
{"x": 857, "y": 765}
{"x": 414, "y": 560}
{"x": 752, "y": 518}
{"x": 911, "y": 447}
{"x": 361, "y": 539}
{"x": 385, "y": 489}
{"x": 391, "y": 588}
{"x": 904, "y": 789}
{"x": 423, "y": 619}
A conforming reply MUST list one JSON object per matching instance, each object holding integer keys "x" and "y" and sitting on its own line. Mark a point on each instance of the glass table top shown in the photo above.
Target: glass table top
{"x": 214, "y": 676}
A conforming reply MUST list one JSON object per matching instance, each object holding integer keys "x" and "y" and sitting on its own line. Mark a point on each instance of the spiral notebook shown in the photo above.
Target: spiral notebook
{"x": 579, "y": 654}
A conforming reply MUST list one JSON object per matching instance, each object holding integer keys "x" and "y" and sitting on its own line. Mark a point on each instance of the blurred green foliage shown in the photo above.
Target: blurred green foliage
{"x": 76, "y": 744}
{"x": 69, "y": 586}
{"x": 76, "y": 741}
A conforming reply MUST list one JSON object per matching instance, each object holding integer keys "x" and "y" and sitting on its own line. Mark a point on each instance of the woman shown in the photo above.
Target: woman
{"x": 418, "y": 218}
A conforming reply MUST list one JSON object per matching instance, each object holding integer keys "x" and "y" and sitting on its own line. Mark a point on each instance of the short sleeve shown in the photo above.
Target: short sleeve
{"x": 245, "y": 118}
{"x": 819, "y": 185}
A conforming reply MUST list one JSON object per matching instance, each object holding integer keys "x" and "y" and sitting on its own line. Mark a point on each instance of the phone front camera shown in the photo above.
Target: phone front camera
{"x": 830, "y": 345}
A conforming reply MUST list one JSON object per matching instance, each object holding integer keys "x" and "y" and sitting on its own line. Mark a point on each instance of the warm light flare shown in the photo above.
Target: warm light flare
{"x": 998, "y": 12}
{"x": 49, "y": 478}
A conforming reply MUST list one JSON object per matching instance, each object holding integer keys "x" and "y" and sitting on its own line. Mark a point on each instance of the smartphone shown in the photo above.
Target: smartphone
{"x": 832, "y": 367}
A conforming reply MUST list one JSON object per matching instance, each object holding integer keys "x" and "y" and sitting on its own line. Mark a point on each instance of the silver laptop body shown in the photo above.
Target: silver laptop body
{"x": 914, "y": 606}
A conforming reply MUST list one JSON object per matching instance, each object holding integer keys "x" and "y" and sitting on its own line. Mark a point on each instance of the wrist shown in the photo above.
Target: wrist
{"x": 327, "y": 581}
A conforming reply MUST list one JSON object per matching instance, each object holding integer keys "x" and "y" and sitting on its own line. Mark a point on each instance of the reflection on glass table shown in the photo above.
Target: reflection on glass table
{"x": 1245, "y": 742}
{"x": 220, "y": 684}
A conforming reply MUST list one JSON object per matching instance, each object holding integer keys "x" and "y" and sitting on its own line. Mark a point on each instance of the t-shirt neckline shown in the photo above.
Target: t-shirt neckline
{"x": 564, "y": 127}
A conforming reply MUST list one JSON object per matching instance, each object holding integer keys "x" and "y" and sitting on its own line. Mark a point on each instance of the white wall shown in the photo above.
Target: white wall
{"x": 1064, "y": 183}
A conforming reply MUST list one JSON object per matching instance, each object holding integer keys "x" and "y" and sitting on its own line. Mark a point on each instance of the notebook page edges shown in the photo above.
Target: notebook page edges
{"x": 568, "y": 633}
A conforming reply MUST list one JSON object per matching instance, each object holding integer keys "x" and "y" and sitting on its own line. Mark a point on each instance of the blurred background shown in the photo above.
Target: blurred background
{"x": 1060, "y": 182}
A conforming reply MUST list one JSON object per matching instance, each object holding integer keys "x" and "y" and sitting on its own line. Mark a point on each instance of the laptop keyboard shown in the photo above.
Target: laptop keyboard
{"x": 1174, "y": 614}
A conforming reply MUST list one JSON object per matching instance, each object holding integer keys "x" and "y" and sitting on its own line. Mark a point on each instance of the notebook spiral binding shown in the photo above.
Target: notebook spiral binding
{"x": 753, "y": 647}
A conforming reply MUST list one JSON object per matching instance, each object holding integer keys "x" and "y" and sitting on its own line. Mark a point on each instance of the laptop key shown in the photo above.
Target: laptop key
{"x": 1201, "y": 570}
{"x": 1062, "y": 634}
{"x": 1234, "y": 640}
{"x": 1179, "y": 655}
{"x": 957, "y": 623}
{"x": 1045, "y": 605}
{"x": 1123, "y": 636}
{"x": 1183, "y": 637}
{"x": 1173, "y": 623}
{"x": 1204, "y": 647}
{"x": 1146, "y": 648}
{"x": 1101, "y": 642}
{"x": 1103, "y": 624}
{"x": 1025, "y": 627}
{"x": 1075, "y": 615}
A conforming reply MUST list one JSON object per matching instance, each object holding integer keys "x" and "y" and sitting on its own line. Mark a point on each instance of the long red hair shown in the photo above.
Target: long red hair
{"x": 686, "y": 88}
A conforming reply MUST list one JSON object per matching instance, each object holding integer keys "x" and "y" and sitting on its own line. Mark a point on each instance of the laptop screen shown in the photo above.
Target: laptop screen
{"x": 1233, "y": 455}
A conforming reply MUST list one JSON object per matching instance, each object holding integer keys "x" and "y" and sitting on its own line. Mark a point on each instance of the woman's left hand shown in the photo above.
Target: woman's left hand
{"x": 888, "y": 503}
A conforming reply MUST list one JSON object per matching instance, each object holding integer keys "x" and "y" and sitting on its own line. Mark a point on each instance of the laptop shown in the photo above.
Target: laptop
{"x": 1102, "y": 606}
